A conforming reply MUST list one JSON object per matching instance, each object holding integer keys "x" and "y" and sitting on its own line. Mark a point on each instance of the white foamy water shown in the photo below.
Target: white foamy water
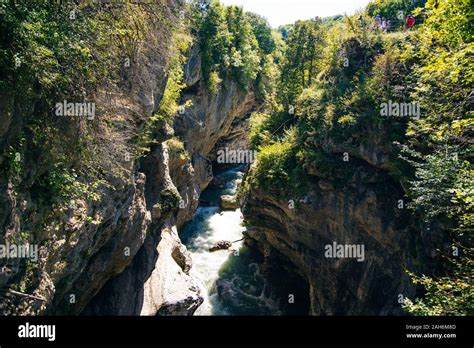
{"x": 230, "y": 280}
{"x": 206, "y": 265}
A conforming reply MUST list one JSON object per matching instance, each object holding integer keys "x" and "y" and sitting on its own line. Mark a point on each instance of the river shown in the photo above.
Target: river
{"x": 231, "y": 280}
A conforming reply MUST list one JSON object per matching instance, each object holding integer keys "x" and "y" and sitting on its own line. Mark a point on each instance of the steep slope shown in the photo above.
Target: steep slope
{"x": 103, "y": 182}
{"x": 334, "y": 194}
{"x": 96, "y": 228}
{"x": 157, "y": 280}
{"x": 361, "y": 211}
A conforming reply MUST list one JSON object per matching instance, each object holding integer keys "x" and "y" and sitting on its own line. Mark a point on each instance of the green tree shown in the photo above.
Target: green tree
{"x": 262, "y": 32}
{"x": 215, "y": 39}
{"x": 440, "y": 148}
{"x": 304, "y": 48}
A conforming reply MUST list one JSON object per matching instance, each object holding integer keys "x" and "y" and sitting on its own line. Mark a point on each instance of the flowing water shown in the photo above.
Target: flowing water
{"x": 230, "y": 280}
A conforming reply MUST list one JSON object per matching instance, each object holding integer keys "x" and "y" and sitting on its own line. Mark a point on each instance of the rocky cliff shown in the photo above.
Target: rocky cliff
{"x": 120, "y": 252}
{"x": 360, "y": 209}
{"x": 90, "y": 241}
{"x": 159, "y": 277}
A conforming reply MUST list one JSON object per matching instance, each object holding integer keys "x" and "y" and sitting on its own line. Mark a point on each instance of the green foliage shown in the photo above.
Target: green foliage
{"x": 215, "y": 40}
{"x": 263, "y": 33}
{"x": 233, "y": 44}
{"x": 332, "y": 20}
{"x": 338, "y": 75}
{"x": 444, "y": 188}
{"x": 274, "y": 162}
{"x": 277, "y": 169}
{"x": 63, "y": 55}
{"x": 445, "y": 77}
{"x": 13, "y": 164}
{"x": 168, "y": 108}
{"x": 169, "y": 200}
{"x": 62, "y": 186}
{"x": 440, "y": 149}
{"x": 213, "y": 82}
{"x": 267, "y": 79}
{"x": 259, "y": 134}
{"x": 394, "y": 9}
{"x": 304, "y": 48}
{"x": 169, "y": 103}
{"x": 449, "y": 295}
{"x": 244, "y": 57}
{"x": 177, "y": 146}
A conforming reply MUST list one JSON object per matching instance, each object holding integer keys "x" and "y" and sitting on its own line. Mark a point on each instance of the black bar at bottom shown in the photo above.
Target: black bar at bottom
{"x": 134, "y": 331}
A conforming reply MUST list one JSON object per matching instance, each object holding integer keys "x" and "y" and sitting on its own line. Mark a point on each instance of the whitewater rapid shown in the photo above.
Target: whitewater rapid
{"x": 230, "y": 280}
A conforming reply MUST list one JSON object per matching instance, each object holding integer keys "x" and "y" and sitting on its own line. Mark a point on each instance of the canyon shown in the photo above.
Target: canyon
{"x": 135, "y": 248}
{"x": 155, "y": 278}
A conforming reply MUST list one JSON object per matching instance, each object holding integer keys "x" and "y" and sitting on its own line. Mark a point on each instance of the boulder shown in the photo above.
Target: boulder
{"x": 221, "y": 245}
{"x": 182, "y": 257}
{"x": 229, "y": 203}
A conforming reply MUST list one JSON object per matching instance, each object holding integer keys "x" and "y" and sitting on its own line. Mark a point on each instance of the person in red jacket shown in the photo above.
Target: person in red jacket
{"x": 410, "y": 21}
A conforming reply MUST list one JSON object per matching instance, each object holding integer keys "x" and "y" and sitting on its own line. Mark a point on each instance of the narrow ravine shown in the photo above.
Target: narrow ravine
{"x": 230, "y": 279}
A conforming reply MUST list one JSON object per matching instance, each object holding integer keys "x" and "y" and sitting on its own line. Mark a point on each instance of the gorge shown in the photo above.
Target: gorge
{"x": 220, "y": 128}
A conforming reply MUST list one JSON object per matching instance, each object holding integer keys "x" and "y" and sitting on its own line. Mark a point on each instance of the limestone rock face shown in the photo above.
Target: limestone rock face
{"x": 192, "y": 68}
{"x": 169, "y": 290}
{"x": 211, "y": 117}
{"x": 121, "y": 254}
{"x": 156, "y": 283}
{"x": 158, "y": 275}
{"x": 361, "y": 211}
{"x": 78, "y": 256}
{"x": 157, "y": 279}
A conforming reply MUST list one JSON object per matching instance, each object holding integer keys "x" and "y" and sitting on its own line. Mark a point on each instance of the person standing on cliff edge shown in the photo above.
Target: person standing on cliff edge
{"x": 410, "y": 21}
